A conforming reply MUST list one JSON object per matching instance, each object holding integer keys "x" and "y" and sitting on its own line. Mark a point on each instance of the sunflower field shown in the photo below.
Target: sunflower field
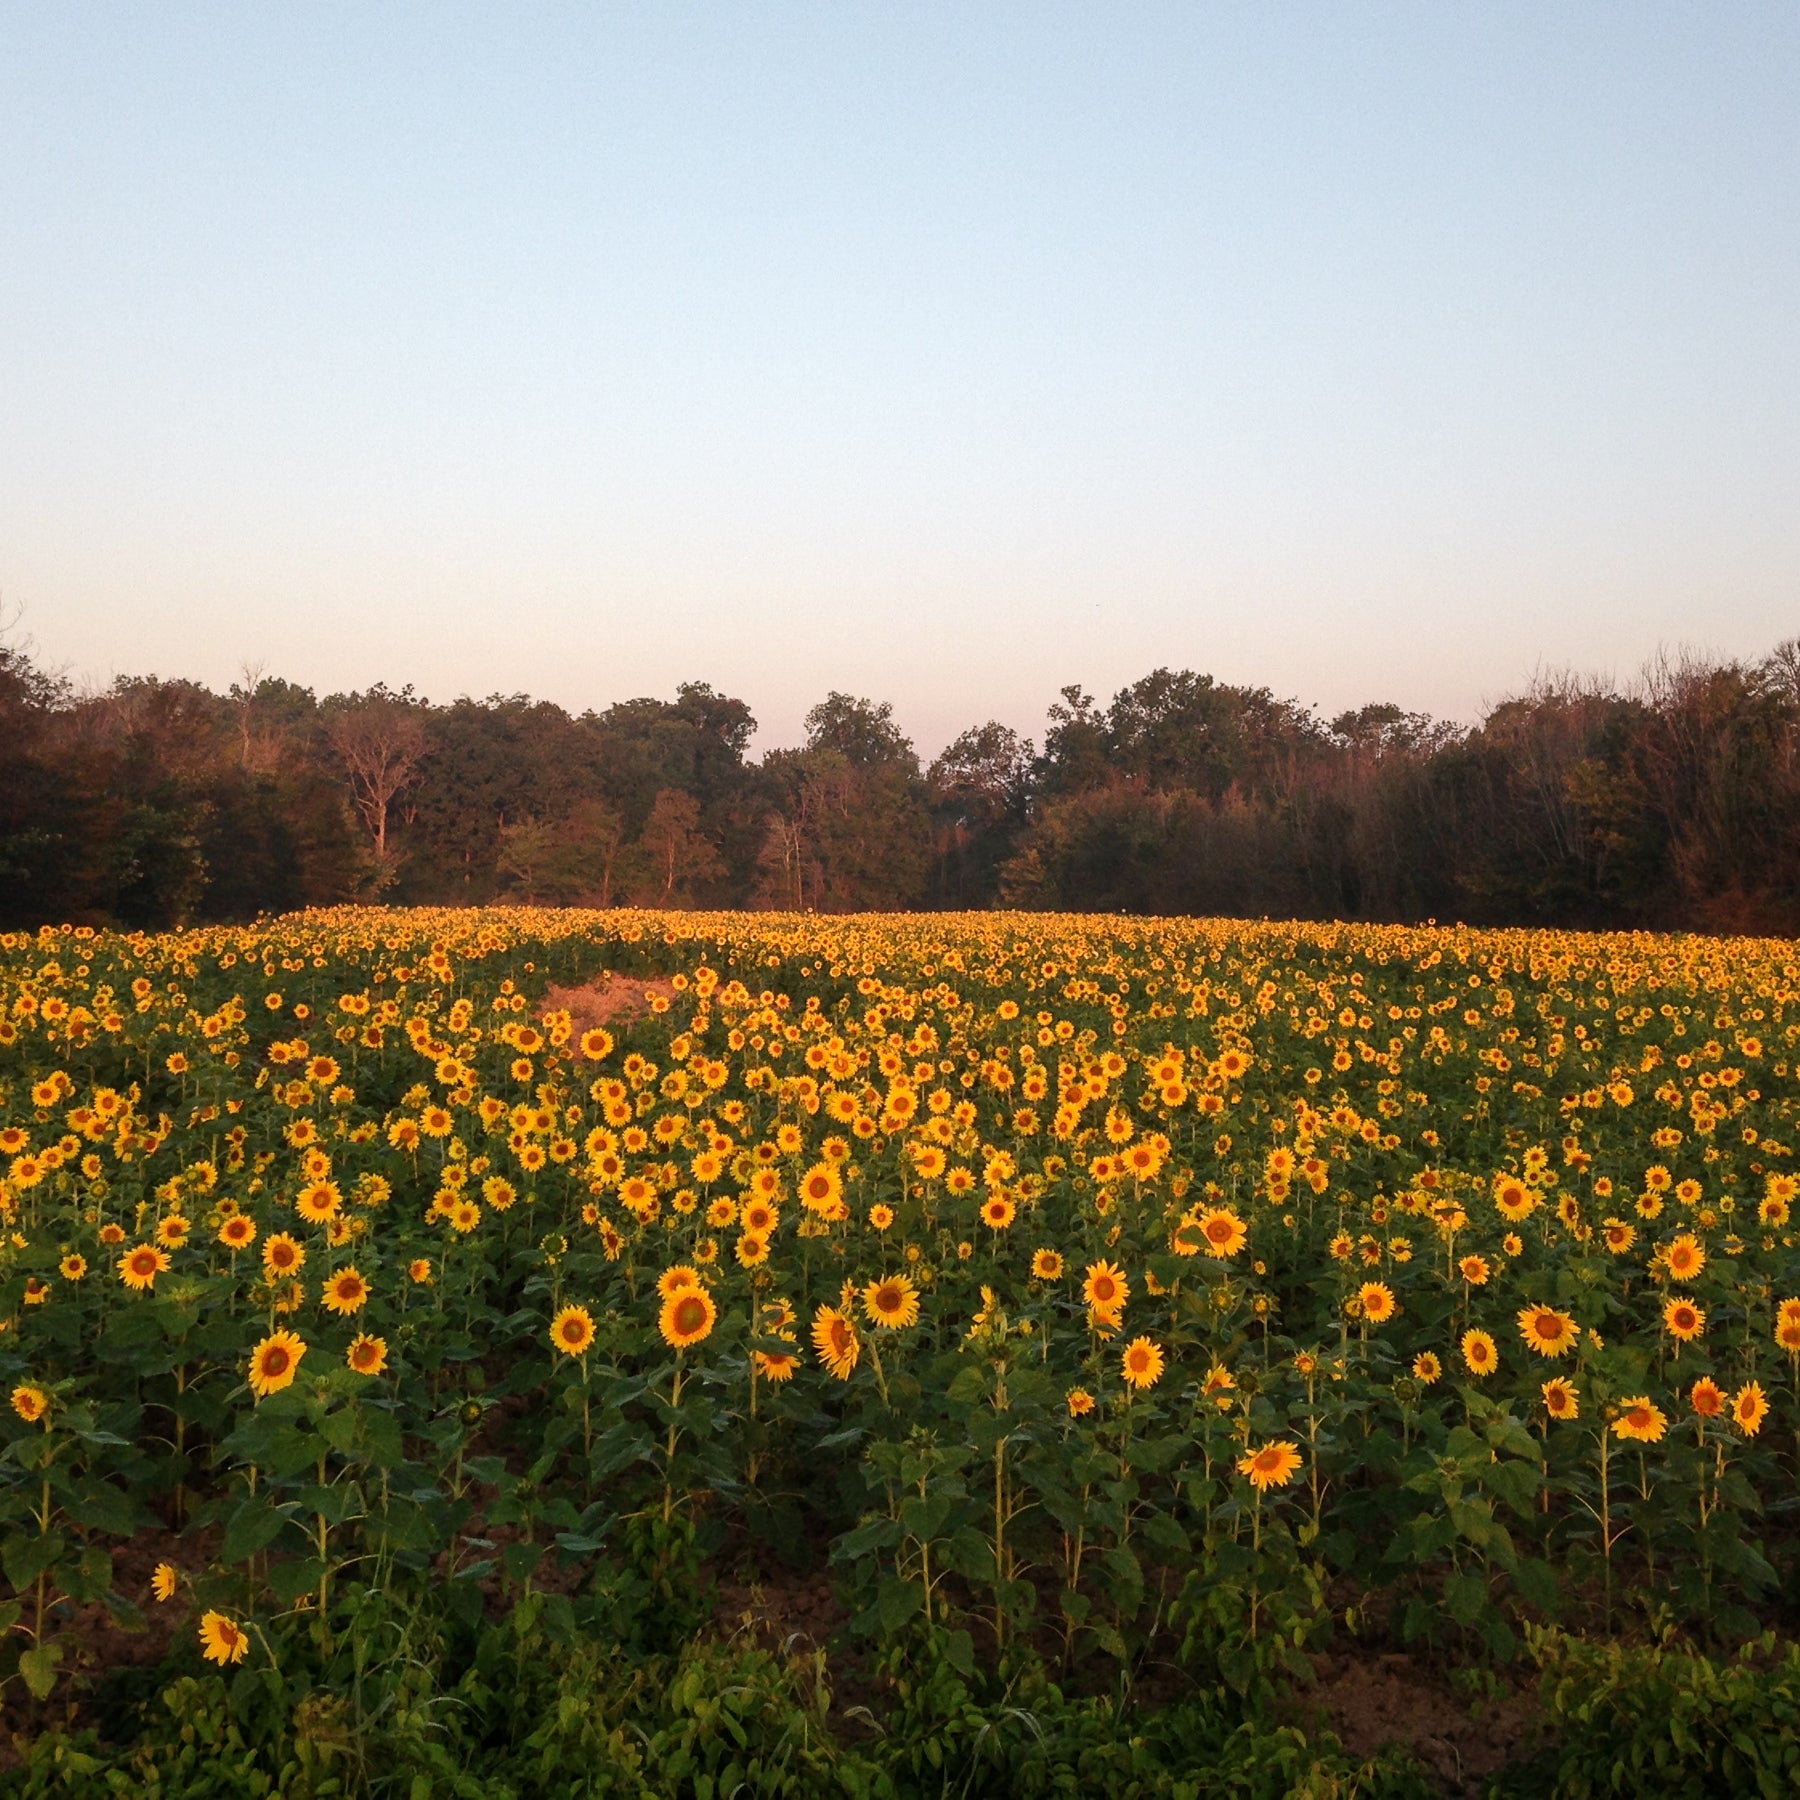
{"x": 1114, "y": 1294}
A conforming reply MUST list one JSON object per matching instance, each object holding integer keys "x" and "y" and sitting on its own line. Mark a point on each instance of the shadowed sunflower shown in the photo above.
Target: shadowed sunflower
{"x": 367, "y": 1355}
{"x": 1639, "y": 1420}
{"x": 30, "y": 1403}
{"x": 1142, "y": 1365}
{"x": 774, "y": 1365}
{"x": 1749, "y": 1408}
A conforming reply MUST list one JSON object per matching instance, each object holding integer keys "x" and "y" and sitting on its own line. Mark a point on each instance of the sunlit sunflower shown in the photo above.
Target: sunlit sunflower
{"x": 1547, "y": 1331}
{"x": 774, "y": 1365}
{"x": 998, "y": 1212}
{"x": 1046, "y": 1265}
{"x": 1105, "y": 1288}
{"x": 1142, "y": 1364}
{"x": 1683, "y": 1257}
{"x": 834, "y": 1338}
{"x": 676, "y": 1277}
{"x": 1562, "y": 1399}
{"x": 1273, "y": 1466}
{"x": 139, "y": 1267}
{"x": 1639, "y": 1420}
{"x": 1707, "y": 1398}
{"x": 572, "y": 1330}
{"x": 821, "y": 1188}
{"x": 1683, "y": 1320}
{"x": 1749, "y": 1408}
{"x": 1426, "y": 1367}
{"x": 318, "y": 1201}
{"x": 238, "y": 1232}
{"x": 1376, "y": 1299}
{"x": 367, "y": 1355}
{"x": 1479, "y": 1353}
{"x": 1225, "y": 1233}
{"x": 687, "y": 1317}
{"x": 274, "y": 1362}
{"x": 222, "y": 1640}
{"x": 891, "y": 1303}
{"x": 345, "y": 1292}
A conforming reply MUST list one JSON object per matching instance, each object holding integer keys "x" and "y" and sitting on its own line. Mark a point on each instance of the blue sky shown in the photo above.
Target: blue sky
{"x": 936, "y": 353}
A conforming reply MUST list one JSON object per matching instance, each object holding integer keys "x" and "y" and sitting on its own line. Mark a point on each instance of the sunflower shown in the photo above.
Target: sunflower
{"x": 687, "y": 1318}
{"x": 1225, "y": 1233}
{"x": 998, "y": 1212}
{"x": 1273, "y": 1466}
{"x": 318, "y": 1201}
{"x": 1080, "y": 1403}
{"x": 274, "y": 1361}
{"x": 464, "y": 1216}
{"x": 891, "y": 1303}
{"x": 282, "y": 1256}
{"x": 30, "y": 1403}
{"x": 572, "y": 1330}
{"x": 821, "y": 1188}
{"x": 139, "y": 1267}
{"x": 774, "y": 1365}
{"x": 596, "y": 1045}
{"x": 1376, "y": 1299}
{"x": 1707, "y": 1398}
{"x": 1562, "y": 1399}
{"x": 834, "y": 1338}
{"x": 1426, "y": 1367}
{"x": 367, "y": 1355}
{"x": 760, "y": 1217}
{"x": 238, "y": 1232}
{"x": 345, "y": 1292}
{"x": 222, "y": 1640}
{"x": 418, "y": 1271}
{"x": 1474, "y": 1270}
{"x": 1046, "y": 1265}
{"x": 73, "y": 1267}
{"x": 1639, "y": 1420}
{"x": 1683, "y": 1257}
{"x": 1749, "y": 1408}
{"x": 164, "y": 1579}
{"x": 1683, "y": 1320}
{"x": 1105, "y": 1289}
{"x": 172, "y": 1231}
{"x": 1514, "y": 1199}
{"x": 1142, "y": 1364}
{"x": 752, "y": 1250}
{"x": 1547, "y": 1331}
{"x": 1618, "y": 1235}
{"x": 1479, "y": 1353}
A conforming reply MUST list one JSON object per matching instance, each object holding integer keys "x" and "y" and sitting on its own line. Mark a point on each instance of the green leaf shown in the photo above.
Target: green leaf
{"x": 253, "y": 1527}
{"x": 38, "y": 1666}
{"x": 896, "y": 1601}
{"x": 1465, "y": 1598}
{"x": 25, "y": 1558}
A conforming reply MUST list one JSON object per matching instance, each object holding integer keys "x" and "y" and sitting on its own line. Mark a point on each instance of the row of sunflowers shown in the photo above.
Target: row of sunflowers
{"x": 1071, "y": 1278}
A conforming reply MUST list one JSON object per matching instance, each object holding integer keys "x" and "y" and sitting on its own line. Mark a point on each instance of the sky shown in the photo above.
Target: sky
{"x": 938, "y": 354}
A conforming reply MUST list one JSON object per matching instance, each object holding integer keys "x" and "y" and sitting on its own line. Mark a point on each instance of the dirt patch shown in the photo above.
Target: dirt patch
{"x": 618, "y": 999}
{"x": 781, "y": 1612}
{"x": 1463, "y": 1738}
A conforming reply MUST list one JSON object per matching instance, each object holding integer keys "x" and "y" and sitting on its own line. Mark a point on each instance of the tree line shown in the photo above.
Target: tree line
{"x": 1671, "y": 803}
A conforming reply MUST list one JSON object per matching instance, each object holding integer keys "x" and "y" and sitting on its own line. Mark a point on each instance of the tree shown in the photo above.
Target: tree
{"x": 380, "y": 739}
{"x": 672, "y": 855}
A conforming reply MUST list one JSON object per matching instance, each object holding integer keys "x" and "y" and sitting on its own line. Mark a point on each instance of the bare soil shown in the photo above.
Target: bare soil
{"x": 618, "y": 999}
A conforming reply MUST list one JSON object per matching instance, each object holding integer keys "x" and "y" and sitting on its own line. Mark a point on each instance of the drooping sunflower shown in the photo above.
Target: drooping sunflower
{"x": 1479, "y": 1353}
{"x": 1273, "y": 1466}
{"x": 1640, "y": 1420}
{"x": 274, "y": 1361}
{"x": 164, "y": 1579}
{"x": 30, "y": 1403}
{"x": 774, "y": 1365}
{"x": 1562, "y": 1399}
{"x": 1683, "y": 1320}
{"x": 834, "y": 1338}
{"x": 345, "y": 1293}
{"x": 1547, "y": 1331}
{"x": 1376, "y": 1299}
{"x": 687, "y": 1317}
{"x": 222, "y": 1640}
{"x": 572, "y": 1330}
{"x": 1749, "y": 1408}
{"x": 1142, "y": 1364}
{"x": 892, "y": 1303}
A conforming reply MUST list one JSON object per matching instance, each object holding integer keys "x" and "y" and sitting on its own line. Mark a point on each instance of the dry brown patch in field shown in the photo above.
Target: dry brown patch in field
{"x": 613, "y": 1000}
